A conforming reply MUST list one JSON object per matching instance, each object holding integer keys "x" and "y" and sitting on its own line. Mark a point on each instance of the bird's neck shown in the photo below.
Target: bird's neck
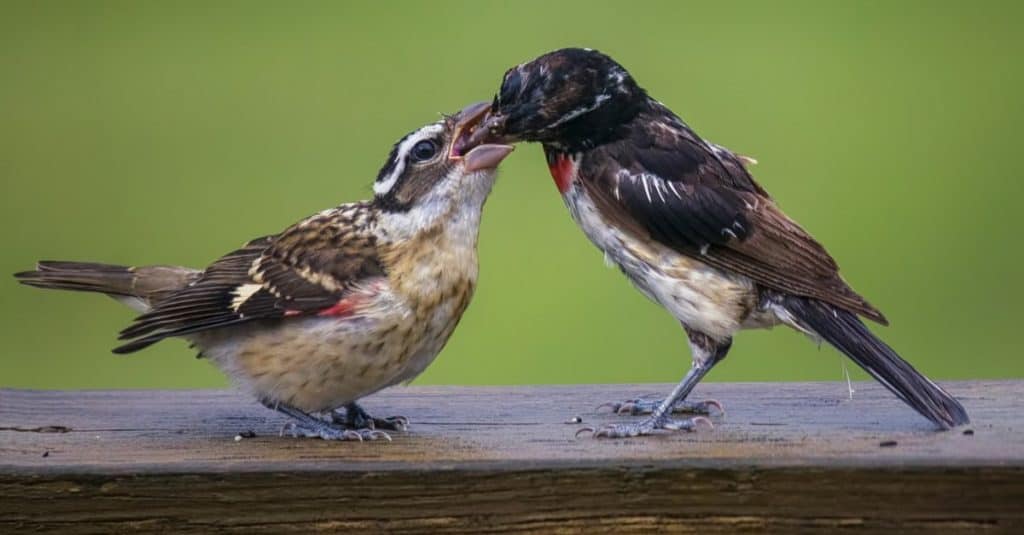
{"x": 428, "y": 255}
{"x": 565, "y": 153}
{"x": 603, "y": 125}
{"x": 563, "y": 166}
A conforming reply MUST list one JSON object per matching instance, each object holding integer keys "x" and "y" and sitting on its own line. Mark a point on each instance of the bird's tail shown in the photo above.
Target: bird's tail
{"x": 848, "y": 334}
{"x": 138, "y": 287}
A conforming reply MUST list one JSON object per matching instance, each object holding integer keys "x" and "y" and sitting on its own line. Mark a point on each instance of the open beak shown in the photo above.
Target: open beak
{"x": 469, "y": 146}
{"x": 487, "y": 129}
{"x": 486, "y": 156}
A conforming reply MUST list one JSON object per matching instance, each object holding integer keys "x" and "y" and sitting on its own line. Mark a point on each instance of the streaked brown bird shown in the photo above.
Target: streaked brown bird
{"x": 690, "y": 228}
{"x": 337, "y": 306}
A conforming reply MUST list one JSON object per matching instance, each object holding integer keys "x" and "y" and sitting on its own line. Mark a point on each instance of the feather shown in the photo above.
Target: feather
{"x": 719, "y": 213}
{"x": 307, "y": 268}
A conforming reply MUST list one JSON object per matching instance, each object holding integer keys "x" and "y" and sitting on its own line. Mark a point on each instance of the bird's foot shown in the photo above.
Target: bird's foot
{"x": 650, "y": 426}
{"x": 355, "y": 417}
{"x": 327, "y": 431}
{"x": 639, "y": 406}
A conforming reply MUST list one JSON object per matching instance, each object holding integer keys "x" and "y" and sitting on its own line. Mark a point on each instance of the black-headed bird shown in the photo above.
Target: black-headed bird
{"x": 686, "y": 222}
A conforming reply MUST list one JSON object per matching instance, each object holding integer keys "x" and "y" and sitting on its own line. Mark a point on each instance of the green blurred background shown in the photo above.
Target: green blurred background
{"x": 171, "y": 132}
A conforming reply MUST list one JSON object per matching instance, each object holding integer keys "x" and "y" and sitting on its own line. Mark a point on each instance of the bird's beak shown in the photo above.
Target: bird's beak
{"x": 489, "y": 129}
{"x": 486, "y": 156}
{"x": 469, "y": 146}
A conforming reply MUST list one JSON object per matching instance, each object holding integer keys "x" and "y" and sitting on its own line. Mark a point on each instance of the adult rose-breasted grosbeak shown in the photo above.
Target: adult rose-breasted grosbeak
{"x": 337, "y": 306}
{"x": 689, "y": 226}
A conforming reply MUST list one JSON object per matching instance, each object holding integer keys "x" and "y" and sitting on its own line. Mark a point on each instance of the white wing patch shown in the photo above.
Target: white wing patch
{"x": 242, "y": 294}
{"x": 647, "y": 188}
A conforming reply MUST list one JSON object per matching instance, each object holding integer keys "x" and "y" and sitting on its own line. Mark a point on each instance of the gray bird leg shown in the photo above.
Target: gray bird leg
{"x": 706, "y": 353}
{"x": 307, "y": 425}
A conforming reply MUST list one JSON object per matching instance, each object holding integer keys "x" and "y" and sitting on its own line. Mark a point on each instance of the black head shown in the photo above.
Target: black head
{"x": 572, "y": 96}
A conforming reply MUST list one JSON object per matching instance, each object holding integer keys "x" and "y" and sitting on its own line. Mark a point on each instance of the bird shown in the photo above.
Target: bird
{"x": 339, "y": 305}
{"x": 690, "y": 228}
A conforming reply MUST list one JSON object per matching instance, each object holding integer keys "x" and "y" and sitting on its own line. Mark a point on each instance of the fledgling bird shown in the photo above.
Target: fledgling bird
{"x": 689, "y": 226}
{"x": 337, "y": 306}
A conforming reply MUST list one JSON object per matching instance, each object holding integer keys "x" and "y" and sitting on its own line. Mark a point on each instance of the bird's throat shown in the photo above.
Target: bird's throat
{"x": 563, "y": 170}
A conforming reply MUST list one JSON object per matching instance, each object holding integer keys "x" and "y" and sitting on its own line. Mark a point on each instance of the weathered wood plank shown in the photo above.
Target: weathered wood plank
{"x": 786, "y": 457}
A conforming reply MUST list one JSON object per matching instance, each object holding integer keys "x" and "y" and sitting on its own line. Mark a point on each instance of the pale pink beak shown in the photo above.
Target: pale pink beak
{"x": 480, "y": 157}
{"x": 486, "y": 157}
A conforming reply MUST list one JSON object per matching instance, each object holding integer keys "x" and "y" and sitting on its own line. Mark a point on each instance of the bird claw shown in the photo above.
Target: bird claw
{"x": 360, "y": 419}
{"x": 373, "y": 434}
{"x": 623, "y": 407}
{"x": 689, "y": 424}
{"x": 646, "y": 427}
{"x": 587, "y": 429}
{"x": 393, "y": 423}
{"x": 329, "y": 432}
{"x": 639, "y": 406}
{"x": 700, "y": 407}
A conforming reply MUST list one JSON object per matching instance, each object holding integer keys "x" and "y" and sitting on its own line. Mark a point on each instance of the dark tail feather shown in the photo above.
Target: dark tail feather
{"x": 848, "y": 334}
{"x": 80, "y": 276}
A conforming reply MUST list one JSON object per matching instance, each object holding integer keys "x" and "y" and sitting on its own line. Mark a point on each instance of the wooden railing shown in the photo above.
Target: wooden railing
{"x": 785, "y": 457}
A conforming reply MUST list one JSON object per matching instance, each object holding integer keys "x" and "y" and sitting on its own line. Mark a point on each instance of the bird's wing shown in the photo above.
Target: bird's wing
{"x": 314, "y": 267}
{"x": 699, "y": 199}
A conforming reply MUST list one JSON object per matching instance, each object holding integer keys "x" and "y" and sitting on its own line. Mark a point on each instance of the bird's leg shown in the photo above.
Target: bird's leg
{"x": 641, "y": 405}
{"x": 355, "y": 416}
{"x": 706, "y": 353}
{"x": 307, "y": 425}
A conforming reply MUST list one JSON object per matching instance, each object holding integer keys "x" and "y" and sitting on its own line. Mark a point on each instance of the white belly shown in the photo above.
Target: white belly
{"x": 699, "y": 296}
{"x": 322, "y": 363}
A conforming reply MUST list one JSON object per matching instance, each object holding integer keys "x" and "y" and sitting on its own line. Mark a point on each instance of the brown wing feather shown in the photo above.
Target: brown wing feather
{"x": 781, "y": 255}
{"x": 307, "y": 268}
{"x": 665, "y": 182}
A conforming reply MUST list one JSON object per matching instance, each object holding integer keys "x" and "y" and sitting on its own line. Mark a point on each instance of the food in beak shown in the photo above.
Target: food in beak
{"x": 468, "y": 119}
{"x": 485, "y": 129}
{"x": 475, "y": 156}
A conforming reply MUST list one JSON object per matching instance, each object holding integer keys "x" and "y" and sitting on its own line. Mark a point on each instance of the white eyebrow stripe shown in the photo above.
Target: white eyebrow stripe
{"x": 381, "y": 187}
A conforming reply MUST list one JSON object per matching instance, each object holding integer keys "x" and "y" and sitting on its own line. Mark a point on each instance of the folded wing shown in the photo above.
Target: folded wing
{"x": 698, "y": 198}
{"x": 309, "y": 268}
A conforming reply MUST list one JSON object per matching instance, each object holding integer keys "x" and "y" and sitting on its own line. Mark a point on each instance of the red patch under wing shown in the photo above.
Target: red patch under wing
{"x": 345, "y": 307}
{"x": 562, "y": 170}
{"x": 349, "y": 305}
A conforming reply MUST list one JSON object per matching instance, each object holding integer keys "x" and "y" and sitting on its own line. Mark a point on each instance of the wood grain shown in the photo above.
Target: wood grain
{"x": 786, "y": 457}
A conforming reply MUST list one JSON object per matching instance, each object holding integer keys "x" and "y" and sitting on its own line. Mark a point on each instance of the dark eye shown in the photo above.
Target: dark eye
{"x": 423, "y": 151}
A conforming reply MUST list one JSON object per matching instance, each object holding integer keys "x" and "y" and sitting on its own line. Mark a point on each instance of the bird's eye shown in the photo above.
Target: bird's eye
{"x": 423, "y": 151}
